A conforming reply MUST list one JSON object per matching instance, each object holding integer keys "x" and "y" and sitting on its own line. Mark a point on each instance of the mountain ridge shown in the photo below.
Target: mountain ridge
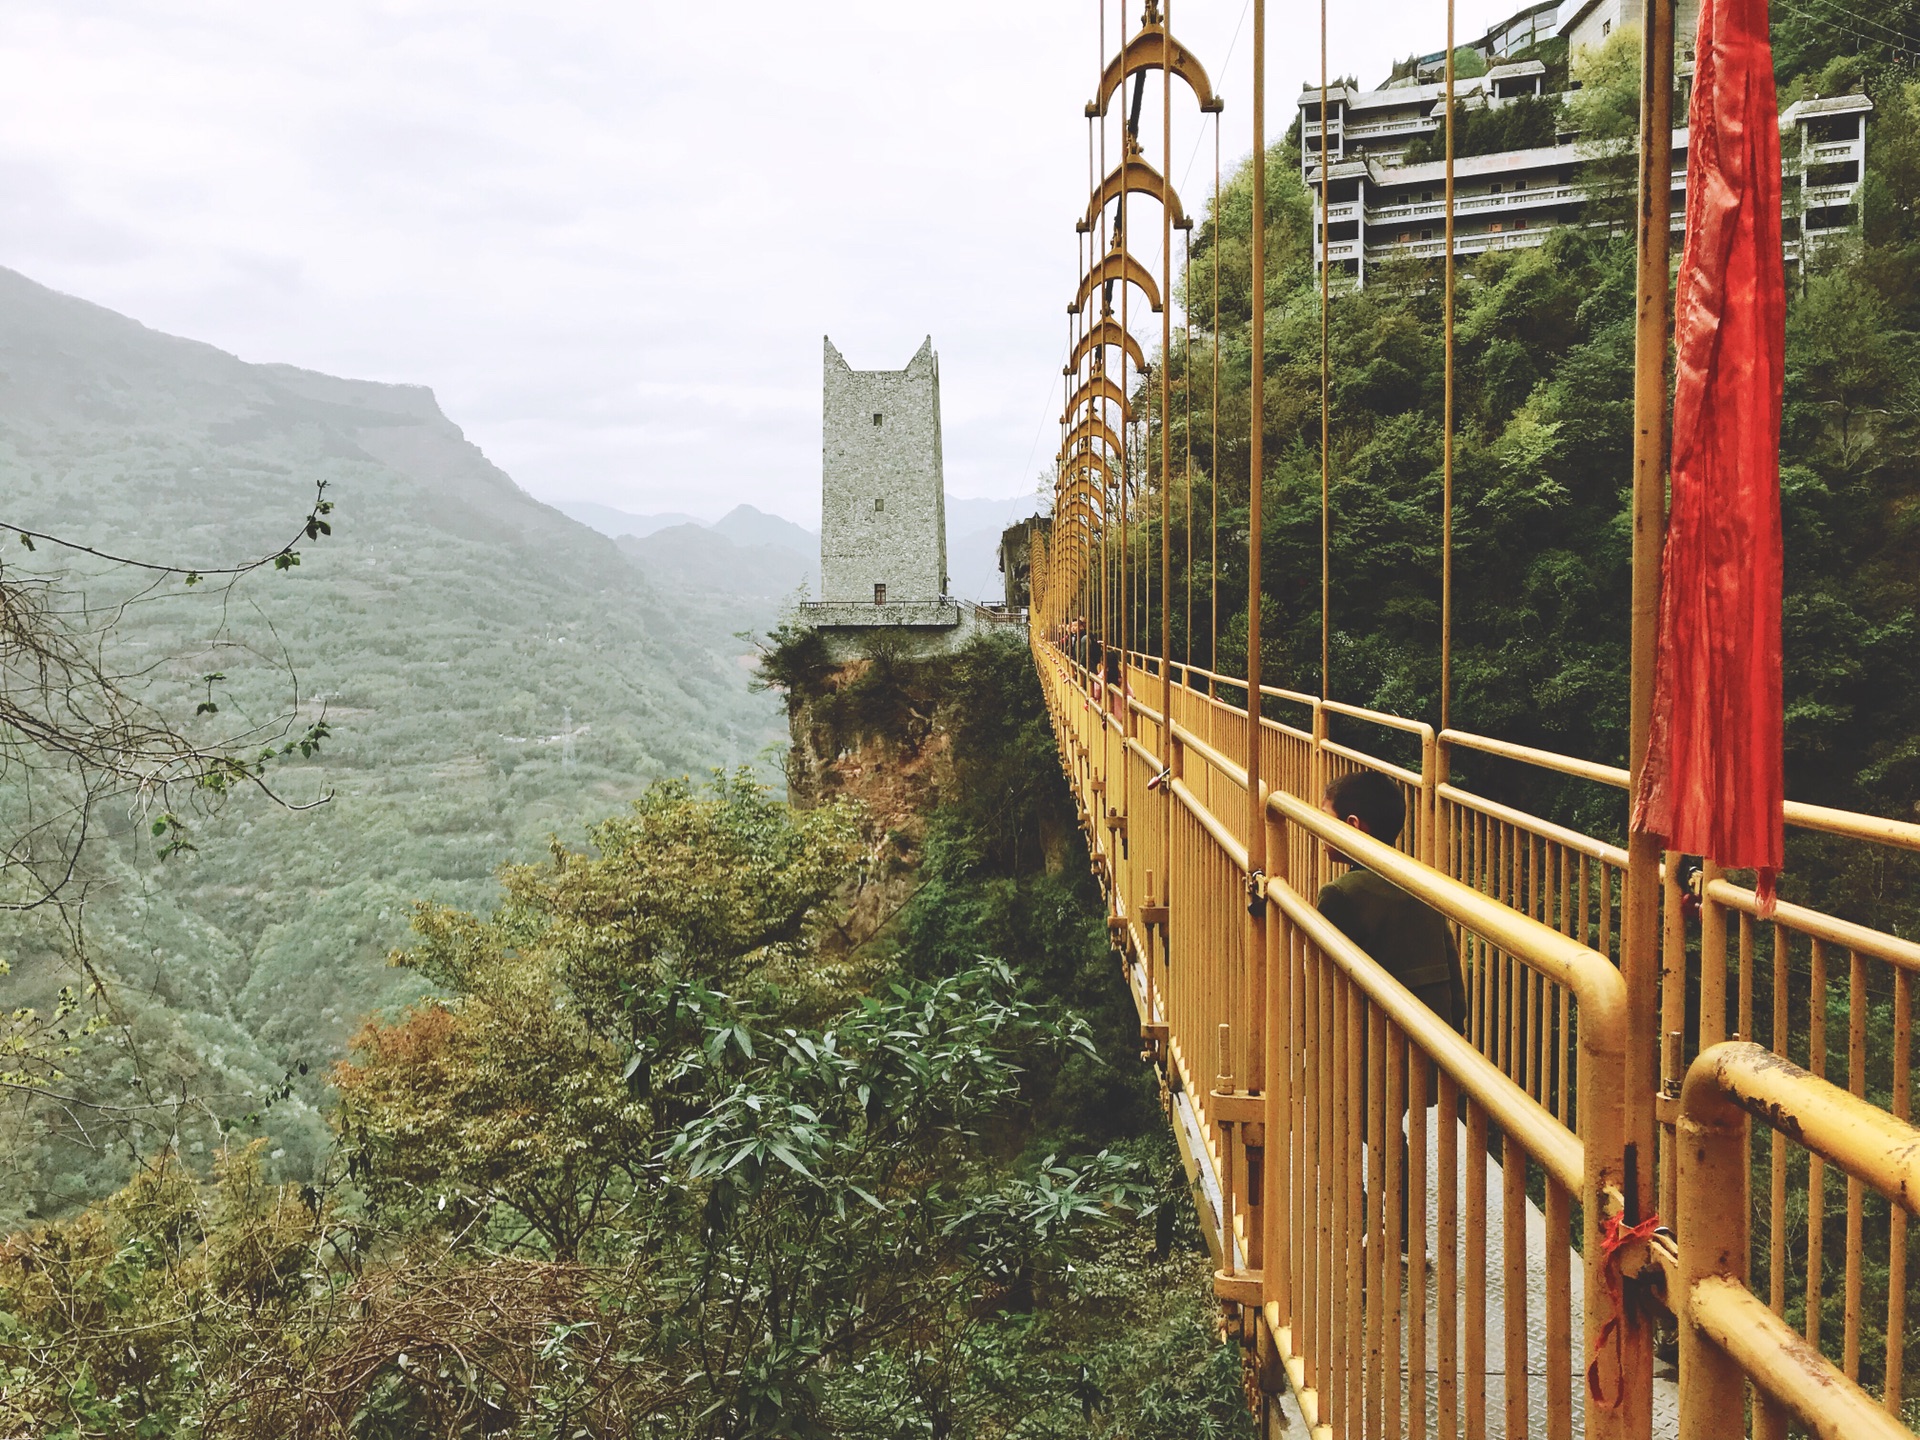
{"x": 494, "y": 674}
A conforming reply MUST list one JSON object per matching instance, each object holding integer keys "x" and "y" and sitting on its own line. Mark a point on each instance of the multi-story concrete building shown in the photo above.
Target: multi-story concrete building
{"x": 1588, "y": 23}
{"x": 1519, "y": 31}
{"x": 1380, "y": 207}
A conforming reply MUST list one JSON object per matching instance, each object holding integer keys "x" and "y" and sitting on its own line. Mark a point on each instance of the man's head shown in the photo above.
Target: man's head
{"x": 1369, "y": 801}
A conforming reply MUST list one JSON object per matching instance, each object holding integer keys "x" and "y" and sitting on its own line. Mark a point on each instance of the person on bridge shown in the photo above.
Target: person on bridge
{"x": 1410, "y": 941}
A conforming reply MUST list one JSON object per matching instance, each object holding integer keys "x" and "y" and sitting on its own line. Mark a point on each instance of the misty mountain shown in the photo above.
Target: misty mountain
{"x": 973, "y": 545}
{"x": 745, "y": 525}
{"x": 750, "y": 584}
{"x": 493, "y": 672}
{"x": 614, "y": 523}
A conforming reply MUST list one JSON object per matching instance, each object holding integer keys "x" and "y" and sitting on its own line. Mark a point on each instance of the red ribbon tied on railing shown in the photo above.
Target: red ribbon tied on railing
{"x": 1614, "y": 1237}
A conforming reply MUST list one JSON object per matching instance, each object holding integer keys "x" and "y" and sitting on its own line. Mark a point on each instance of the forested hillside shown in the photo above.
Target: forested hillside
{"x": 490, "y": 672}
{"x": 689, "y": 1142}
{"x": 1543, "y": 449}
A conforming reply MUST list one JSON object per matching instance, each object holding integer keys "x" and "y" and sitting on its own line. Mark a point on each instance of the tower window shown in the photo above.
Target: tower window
{"x": 879, "y": 594}
{"x": 876, "y": 417}
{"x": 879, "y": 504}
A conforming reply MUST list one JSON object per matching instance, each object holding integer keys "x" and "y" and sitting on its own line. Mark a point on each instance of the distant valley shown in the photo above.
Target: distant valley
{"x": 493, "y": 671}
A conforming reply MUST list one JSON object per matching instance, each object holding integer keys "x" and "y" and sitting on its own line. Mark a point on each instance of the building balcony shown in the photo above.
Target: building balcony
{"x": 1838, "y": 150}
{"x": 1475, "y": 244}
{"x": 1435, "y": 210}
{"x": 1414, "y": 125}
{"x": 1832, "y": 195}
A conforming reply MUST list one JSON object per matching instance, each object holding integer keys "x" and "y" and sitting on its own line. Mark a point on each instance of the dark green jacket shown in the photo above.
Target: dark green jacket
{"x": 1411, "y": 942}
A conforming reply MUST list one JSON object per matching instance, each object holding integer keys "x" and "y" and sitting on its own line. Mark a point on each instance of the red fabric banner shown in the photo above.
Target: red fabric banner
{"x": 1713, "y": 781}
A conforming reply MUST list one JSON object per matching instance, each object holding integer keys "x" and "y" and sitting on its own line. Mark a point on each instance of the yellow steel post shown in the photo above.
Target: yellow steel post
{"x": 1640, "y": 941}
{"x": 1713, "y": 1222}
{"x": 1166, "y": 452}
{"x": 1256, "y": 940}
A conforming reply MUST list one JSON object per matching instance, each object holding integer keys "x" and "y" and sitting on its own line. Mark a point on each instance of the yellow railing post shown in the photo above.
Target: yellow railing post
{"x": 1713, "y": 1219}
{"x": 1728, "y": 1335}
{"x": 1429, "y": 819}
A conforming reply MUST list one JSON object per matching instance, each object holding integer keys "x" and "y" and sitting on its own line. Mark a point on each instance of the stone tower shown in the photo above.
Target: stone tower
{"x": 883, "y": 508}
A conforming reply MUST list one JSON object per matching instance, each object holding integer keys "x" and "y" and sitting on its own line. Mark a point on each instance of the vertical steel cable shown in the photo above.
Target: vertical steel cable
{"x": 1119, "y": 247}
{"x": 1446, "y": 422}
{"x": 1166, "y": 403}
{"x": 1326, "y": 374}
{"x": 1063, "y": 469}
{"x": 1213, "y": 463}
{"x": 1256, "y": 819}
{"x": 1096, "y": 355}
{"x": 1186, "y": 402}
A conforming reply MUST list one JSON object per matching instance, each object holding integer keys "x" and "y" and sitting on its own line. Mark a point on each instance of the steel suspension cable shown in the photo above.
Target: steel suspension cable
{"x": 1213, "y": 460}
{"x": 1256, "y": 816}
{"x": 1166, "y": 405}
{"x": 1446, "y": 418}
{"x": 1126, "y": 447}
{"x": 1186, "y": 400}
{"x": 1250, "y": 1037}
{"x": 1111, "y": 573}
{"x": 1326, "y": 374}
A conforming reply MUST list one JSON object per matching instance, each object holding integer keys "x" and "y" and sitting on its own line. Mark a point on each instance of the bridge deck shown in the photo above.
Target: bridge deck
{"x": 1287, "y": 1051}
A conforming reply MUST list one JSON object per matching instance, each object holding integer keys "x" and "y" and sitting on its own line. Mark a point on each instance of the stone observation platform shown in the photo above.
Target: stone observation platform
{"x": 883, "y": 513}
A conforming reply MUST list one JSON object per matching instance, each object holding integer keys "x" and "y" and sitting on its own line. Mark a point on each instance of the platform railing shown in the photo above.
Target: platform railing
{"x": 1730, "y": 1339}
{"x": 1292, "y": 1077}
{"x": 1172, "y": 844}
{"x": 1772, "y": 979}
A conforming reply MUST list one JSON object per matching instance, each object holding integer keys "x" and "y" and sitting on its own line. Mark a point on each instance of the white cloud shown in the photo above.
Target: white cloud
{"x": 611, "y": 236}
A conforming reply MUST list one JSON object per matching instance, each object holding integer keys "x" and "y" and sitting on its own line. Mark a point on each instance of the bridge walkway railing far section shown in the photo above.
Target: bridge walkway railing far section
{"x": 1293, "y": 1070}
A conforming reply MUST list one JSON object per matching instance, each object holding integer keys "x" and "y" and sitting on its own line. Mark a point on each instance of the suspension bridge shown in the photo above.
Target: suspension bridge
{"x": 1612, "y": 1202}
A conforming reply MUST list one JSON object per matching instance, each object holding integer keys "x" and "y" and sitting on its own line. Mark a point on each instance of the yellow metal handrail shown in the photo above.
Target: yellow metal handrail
{"x": 1289, "y": 1070}
{"x": 1574, "y": 883}
{"x": 1728, "y": 1336}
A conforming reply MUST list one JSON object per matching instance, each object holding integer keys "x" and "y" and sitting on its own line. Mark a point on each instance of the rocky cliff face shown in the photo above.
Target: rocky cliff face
{"x": 875, "y": 731}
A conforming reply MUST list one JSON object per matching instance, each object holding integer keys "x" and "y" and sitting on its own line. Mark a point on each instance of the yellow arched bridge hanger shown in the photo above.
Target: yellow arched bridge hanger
{"x": 1103, "y": 332}
{"x": 1133, "y": 174}
{"x": 1145, "y": 52}
{"x": 1100, "y": 387}
{"x": 1117, "y": 264}
{"x": 1076, "y": 484}
{"x": 1078, "y": 467}
{"x": 1092, "y": 429}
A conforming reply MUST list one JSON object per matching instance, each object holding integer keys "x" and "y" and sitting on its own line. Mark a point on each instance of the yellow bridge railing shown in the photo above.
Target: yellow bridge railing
{"x": 1311, "y": 1091}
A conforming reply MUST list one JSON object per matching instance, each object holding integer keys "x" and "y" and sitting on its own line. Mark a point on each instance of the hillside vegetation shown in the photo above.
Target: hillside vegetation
{"x": 490, "y": 671}
{"x": 660, "y": 1156}
{"x": 1542, "y": 468}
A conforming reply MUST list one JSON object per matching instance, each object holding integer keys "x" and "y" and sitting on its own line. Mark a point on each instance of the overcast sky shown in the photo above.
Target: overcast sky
{"x": 610, "y": 236}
